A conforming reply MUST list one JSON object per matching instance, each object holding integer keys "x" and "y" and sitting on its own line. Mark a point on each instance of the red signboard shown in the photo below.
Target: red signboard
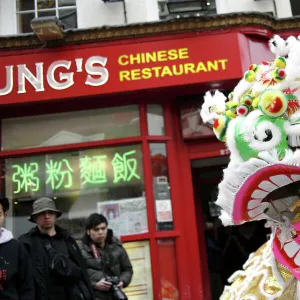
{"x": 101, "y": 70}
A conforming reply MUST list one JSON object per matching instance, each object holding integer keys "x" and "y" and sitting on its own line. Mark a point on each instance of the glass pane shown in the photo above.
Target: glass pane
{"x": 24, "y": 22}
{"x": 68, "y": 18}
{"x": 155, "y": 119}
{"x": 168, "y": 269}
{"x": 25, "y": 5}
{"x": 107, "y": 180}
{"x": 66, "y": 3}
{"x": 178, "y": 6}
{"x": 47, "y": 13}
{"x": 71, "y": 127}
{"x": 140, "y": 287}
{"x": 43, "y": 4}
{"x": 161, "y": 187}
{"x": 192, "y": 125}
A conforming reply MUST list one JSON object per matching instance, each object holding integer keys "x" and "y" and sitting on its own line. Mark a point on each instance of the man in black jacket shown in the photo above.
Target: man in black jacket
{"x": 16, "y": 280}
{"x": 59, "y": 270}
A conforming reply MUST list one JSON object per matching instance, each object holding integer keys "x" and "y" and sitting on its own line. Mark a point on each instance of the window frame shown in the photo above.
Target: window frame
{"x": 144, "y": 139}
{"x": 57, "y": 9}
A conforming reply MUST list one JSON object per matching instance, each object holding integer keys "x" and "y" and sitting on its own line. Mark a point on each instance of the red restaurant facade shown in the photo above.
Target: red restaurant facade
{"x": 108, "y": 123}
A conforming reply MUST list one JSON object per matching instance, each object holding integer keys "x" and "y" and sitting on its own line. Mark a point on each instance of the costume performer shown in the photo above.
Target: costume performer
{"x": 260, "y": 123}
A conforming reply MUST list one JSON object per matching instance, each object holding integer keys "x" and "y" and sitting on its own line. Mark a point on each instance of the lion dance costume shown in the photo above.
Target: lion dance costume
{"x": 260, "y": 123}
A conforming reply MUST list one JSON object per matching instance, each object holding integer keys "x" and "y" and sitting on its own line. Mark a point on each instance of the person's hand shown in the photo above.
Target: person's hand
{"x": 120, "y": 285}
{"x": 103, "y": 285}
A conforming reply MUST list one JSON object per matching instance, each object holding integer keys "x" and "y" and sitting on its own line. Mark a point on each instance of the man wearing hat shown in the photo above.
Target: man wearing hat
{"x": 59, "y": 269}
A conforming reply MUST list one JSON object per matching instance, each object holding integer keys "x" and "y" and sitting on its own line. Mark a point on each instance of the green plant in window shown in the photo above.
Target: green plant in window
{"x": 59, "y": 174}
{"x": 93, "y": 169}
{"x": 25, "y": 177}
{"x": 125, "y": 167}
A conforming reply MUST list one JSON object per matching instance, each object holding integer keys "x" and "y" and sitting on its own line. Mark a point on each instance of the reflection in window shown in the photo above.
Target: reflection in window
{"x": 62, "y": 128}
{"x": 155, "y": 119}
{"x": 161, "y": 187}
{"x": 107, "y": 180}
{"x": 295, "y": 6}
{"x": 27, "y": 10}
{"x": 68, "y": 18}
{"x": 170, "y": 8}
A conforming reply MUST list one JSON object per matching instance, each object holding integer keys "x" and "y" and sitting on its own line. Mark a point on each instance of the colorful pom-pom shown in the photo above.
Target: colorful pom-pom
{"x": 231, "y": 109}
{"x": 273, "y": 103}
{"x": 220, "y": 127}
{"x": 279, "y": 74}
{"x": 231, "y": 104}
{"x": 230, "y": 96}
{"x": 254, "y": 67}
{"x": 231, "y": 114}
{"x": 255, "y": 102}
{"x": 280, "y": 62}
{"x": 247, "y": 99}
{"x": 250, "y": 76}
{"x": 242, "y": 110}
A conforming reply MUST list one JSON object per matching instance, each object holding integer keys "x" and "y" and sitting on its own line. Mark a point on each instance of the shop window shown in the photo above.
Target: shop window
{"x": 62, "y": 128}
{"x": 192, "y": 125}
{"x": 155, "y": 119}
{"x": 140, "y": 287}
{"x": 170, "y": 8}
{"x": 161, "y": 186}
{"x": 65, "y": 10}
{"x": 105, "y": 180}
{"x": 295, "y": 5}
{"x": 168, "y": 269}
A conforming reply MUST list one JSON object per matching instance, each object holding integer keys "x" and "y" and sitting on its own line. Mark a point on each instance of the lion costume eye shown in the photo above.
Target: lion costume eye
{"x": 266, "y": 136}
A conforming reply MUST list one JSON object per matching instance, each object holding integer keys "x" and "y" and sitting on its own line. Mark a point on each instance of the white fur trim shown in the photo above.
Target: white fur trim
{"x": 279, "y": 46}
{"x": 293, "y": 132}
{"x": 218, "y": 100}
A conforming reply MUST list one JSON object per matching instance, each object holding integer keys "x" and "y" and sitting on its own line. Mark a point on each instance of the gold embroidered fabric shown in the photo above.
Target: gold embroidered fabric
{"x": 257, "y": 281}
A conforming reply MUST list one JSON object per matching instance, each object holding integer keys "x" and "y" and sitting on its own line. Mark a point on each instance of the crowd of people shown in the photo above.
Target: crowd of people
{"x": 48, "y": 264}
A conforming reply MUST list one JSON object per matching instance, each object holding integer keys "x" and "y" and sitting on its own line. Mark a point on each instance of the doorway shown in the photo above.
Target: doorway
{"x": 224, "y": 250}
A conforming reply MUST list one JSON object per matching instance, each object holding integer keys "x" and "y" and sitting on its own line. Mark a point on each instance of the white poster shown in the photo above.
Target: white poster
{"x": 126, "y": 216}
{"x": 164, "y": 211}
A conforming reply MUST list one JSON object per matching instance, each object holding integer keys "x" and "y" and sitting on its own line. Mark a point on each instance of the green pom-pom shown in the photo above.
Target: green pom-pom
{"x": 250, "y": 76}
{"x": 279, "y": 74}
{"x": 280, "y": 62}
{"x": 247, "y": 99}
{"x": 254, "y": 67}
{"x": 273, "y": 103}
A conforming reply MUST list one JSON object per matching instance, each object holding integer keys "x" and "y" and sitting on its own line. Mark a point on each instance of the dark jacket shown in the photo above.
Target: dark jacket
{"x": 34, "y": 241}
{"x": 16, "y": 280}
{"x": 118, "y": 264}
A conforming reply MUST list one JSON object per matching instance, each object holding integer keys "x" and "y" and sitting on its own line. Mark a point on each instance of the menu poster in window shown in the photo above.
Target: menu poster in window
{"x": 192, "y": 125}
{"x": 140, "y": 287}
{"x": 126, "y": 216}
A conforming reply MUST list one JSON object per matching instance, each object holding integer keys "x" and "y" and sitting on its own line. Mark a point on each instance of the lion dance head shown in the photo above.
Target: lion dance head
{"x": 260, "y": 123}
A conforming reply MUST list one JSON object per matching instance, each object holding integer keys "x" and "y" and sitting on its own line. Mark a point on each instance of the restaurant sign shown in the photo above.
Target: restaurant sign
{"x": 55, "y": 74}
